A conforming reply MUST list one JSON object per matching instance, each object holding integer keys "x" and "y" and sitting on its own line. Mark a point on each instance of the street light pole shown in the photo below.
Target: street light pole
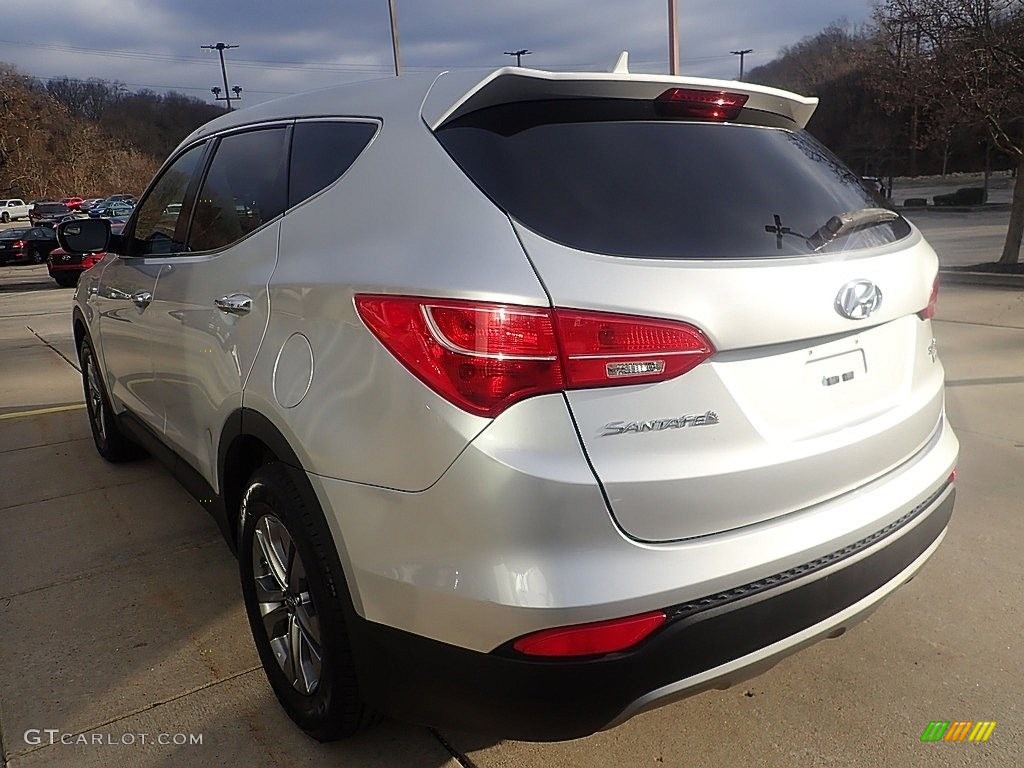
{"x": 673, "y": 37}
{"x": 220, "y": 48}
{"x": 519, "y": 55}
{"x": 394, "y": 38}
{"x": 741, "y": 54}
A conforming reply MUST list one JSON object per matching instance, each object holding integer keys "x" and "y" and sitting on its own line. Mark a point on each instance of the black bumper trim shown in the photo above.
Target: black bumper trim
{"x": 425, "y": 681}
{"x": 803, "y": 570}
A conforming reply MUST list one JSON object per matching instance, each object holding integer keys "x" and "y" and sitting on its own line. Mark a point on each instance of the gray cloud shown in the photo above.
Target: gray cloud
{"x": 288, "y": 47}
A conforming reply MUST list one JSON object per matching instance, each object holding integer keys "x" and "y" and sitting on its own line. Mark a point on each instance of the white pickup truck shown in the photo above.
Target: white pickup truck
{"x": 13, "y": 209}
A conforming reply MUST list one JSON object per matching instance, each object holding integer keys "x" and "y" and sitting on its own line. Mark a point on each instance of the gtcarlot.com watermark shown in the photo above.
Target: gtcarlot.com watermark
{"x": 37, "y": 737}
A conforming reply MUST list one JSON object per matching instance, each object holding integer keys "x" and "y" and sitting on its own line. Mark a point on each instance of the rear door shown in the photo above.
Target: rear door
{"x": 810, "y": 392}
{"x": 211, "y": 306}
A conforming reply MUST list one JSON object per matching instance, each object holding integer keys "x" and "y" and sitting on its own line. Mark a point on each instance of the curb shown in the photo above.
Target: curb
{"x": 958, "y": 277}
{"x": 951, "y": 208}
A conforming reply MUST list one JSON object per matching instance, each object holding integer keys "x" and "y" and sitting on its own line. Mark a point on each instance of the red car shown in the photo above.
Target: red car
{"x": 73, "y": 202}
{"x": 65, "y": 269}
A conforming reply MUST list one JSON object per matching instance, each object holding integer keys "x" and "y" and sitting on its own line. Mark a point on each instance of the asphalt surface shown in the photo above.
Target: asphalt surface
{"x": 120, "y": 612}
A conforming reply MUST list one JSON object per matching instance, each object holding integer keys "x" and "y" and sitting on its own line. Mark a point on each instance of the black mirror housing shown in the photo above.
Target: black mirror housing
{"x": 84, "y": 236}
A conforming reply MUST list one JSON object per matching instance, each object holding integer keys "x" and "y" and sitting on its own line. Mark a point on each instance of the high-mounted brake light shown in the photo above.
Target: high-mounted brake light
{"x": 483, "y": 357}
{"x": 929, "y": 312}
{"x": 699, "y": 104}
{"x": 591, "y": 639}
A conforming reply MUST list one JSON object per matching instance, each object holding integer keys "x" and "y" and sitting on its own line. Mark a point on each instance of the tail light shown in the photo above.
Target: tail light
{"x": 699, "y": 104}
{"x": 484, "y": 357}
{"x": 18, "y": 245}
{"x": 591, "y": 639}
{"x": 929, "y": 312}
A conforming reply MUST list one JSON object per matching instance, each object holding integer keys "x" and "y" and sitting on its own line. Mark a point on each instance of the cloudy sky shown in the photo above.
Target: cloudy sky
{"x": 292, "y": 45}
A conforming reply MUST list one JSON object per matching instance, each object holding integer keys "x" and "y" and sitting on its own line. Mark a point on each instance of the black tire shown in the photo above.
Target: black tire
{"x": 67, "y": 281}
{"x": 111, "y": 443}
{"x": 38, "y": 257}
{"x": 5, "y": 217}
{"x": 333, "y": 708}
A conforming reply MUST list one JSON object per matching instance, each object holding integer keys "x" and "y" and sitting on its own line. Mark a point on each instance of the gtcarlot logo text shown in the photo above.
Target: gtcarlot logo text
{"x": 35, "y": 737}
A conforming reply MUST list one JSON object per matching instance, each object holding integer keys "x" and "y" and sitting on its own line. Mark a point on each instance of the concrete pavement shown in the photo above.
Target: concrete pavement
{"x": 120, "y": 612}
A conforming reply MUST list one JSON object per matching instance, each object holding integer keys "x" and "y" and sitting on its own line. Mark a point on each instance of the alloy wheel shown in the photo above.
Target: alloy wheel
{"x": 286, "y": 605}
{"x": 94, "y": 395}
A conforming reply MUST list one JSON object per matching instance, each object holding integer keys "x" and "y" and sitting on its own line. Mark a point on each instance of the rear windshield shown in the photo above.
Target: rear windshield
{"x": 660, "y": 188}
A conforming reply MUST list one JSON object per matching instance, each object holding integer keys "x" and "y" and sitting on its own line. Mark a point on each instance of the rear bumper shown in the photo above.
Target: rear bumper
{"x": 711, "y": 642}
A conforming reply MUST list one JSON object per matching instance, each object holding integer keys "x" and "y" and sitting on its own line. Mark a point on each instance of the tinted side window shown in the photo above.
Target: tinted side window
{"x": 158, "y": 215}
{"x": 321, "y": 152}
{"x": 244, "y": 188}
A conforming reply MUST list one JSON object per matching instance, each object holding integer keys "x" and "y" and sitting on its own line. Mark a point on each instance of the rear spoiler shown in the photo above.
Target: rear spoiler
{"x": 512, "y": 84}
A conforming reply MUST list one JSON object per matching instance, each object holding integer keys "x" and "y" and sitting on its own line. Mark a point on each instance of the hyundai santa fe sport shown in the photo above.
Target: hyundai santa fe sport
{"x": 528, "y": 401}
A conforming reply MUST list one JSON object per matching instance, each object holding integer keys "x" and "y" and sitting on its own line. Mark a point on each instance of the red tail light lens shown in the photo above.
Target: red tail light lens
{"x": 702, "y": 105}
{"x": 929, "y": 312}
{"x": 591, "y": 639}
{"x": 481, "y": 357}
{"x": 603, "y": 350}
{"x": 18, "y": 245}
{"x": 484, "y": 357}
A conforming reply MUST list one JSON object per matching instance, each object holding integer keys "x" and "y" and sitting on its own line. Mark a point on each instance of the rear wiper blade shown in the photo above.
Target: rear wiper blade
{"x": 847, "y": 223}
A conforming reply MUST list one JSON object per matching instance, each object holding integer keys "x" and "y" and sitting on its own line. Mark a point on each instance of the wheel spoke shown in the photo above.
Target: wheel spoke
{"x": 266, "y": 539}
{"x": 294, "y": 643}
{"x": 275, "y": 619}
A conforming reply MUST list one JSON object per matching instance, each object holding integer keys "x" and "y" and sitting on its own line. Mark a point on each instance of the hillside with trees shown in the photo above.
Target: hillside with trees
{"x": 92, "y": 137}
{"x": 926, "y": 87}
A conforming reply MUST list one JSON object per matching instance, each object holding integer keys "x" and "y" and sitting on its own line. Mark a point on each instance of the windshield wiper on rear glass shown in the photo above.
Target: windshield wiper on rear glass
{"x": 836, "y": 227}
{"x": 847, "y": 223}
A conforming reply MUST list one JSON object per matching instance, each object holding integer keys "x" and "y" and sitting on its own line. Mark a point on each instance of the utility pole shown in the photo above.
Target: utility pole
{"x": 673, "y": 37}
{"x": 741, "y": 54}
{"x": 220, "y": 48}
{"x": 394, "y": 38}
{"x": 519, "y": 55}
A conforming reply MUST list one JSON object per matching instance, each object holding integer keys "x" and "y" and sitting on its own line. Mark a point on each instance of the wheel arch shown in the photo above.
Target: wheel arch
{"x": 249, "y": 440}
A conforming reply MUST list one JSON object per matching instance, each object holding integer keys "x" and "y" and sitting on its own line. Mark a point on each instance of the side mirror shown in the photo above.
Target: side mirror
{"x": 82, "y": 236}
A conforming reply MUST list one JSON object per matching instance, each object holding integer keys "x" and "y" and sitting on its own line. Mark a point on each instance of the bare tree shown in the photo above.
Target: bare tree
{"x": 955, "y": 63}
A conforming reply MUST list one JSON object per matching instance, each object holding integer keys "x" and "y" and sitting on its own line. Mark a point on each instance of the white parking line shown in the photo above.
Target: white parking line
{"x": 41, "y": 411}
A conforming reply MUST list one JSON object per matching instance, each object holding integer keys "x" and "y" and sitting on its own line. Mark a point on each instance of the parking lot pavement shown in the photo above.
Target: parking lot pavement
{"x": 120, "y": 613}
{"x": 962, "y": 238}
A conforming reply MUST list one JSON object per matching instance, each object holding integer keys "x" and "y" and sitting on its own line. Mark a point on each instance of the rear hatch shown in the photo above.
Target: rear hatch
{"x": 824, "y": 373}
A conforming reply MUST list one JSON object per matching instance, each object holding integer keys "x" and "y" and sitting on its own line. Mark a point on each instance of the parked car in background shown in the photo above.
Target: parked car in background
{"x": 66, "y": 268}
{"x": 109, "y": 209}
{"x": 12, "y": 210}
{"x": 30, "y": 245}
{"x": 89, "y": 203}
{"x": 47, "y": 212}
{"x": 73, "y": 202}
{"x": 122, "y": 196}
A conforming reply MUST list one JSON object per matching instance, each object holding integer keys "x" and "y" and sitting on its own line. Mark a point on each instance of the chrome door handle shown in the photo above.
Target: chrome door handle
{"x": 142, "y": 299}
{"x": 234, "y": 303}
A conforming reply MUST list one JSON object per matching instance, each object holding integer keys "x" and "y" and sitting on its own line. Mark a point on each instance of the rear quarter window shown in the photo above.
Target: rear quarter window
{"x": 322, "y": 152}
{"x": 660, "y": 188}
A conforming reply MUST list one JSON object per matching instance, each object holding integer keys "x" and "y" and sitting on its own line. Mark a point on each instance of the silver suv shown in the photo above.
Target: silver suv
{"x": 528, "y": 401}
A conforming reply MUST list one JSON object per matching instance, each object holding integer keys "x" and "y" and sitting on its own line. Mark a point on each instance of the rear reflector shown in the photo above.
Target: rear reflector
{"x": 929, "y": 311}
{"x": 483, "y": 357}
{"x": 591, "y": 639}
{"x": 702, "y": 105}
